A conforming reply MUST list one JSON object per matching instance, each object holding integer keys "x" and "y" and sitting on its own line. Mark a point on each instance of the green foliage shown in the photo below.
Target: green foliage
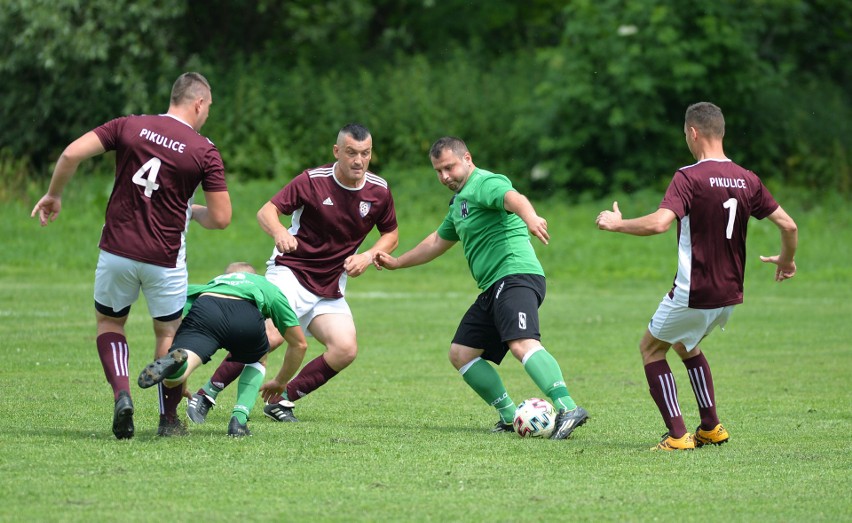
{"x": 67, "y": 66}
{"x": 577, "y": 99}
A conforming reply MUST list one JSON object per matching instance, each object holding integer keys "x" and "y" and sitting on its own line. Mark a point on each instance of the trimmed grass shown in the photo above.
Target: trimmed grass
{"x": 398, "y": 436}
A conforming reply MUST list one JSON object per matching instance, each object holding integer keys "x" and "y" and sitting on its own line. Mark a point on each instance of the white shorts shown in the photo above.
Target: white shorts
{"x": 304, "y": 303}
{"x": 118, "y": 281}
{"x": 678, "y": 324}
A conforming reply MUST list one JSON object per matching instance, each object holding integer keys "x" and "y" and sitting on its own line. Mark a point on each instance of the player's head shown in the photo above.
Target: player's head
{"x": 240, "y": 267}
{"x": 353, "y": 151}
{"x": 191, "y": 91}
{"x": 452, "y": 162}
{"x": 707, "y": 118}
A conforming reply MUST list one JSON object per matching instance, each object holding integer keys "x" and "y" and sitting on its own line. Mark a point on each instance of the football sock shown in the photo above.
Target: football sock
{"x": 545, "y": 372}
{"x": 225, "y": 373}
{"x": 312, "y": 376}
{"x": 170, "y": 399}
{"x": 251, "y": 378}
{"x": 702, "y": 385}
{"x": 484, "y": 380}
{"x": 113, "y": 352}
{"x": 661, "y": 384}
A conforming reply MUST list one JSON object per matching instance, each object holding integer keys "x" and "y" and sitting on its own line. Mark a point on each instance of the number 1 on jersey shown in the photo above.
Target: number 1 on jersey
{"x": 152, "y": 167}
{"x": 731, "y": 205}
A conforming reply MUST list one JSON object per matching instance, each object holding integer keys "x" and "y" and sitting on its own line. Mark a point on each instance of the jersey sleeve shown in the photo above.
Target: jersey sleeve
{"x": 214, "y": 171}
{"x": 764, "y": 203}
{"x": 289, "y": 199}
{"x": 387, "y": 221}
{"x": 109, "y": 132}
{"x": 678, "y": 195}
{"x": 493, "y": 189}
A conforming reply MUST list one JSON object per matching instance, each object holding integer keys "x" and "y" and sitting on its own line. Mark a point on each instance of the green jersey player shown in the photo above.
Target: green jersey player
{"x": 228, "y": 312}
{"x": 494, "y": 222}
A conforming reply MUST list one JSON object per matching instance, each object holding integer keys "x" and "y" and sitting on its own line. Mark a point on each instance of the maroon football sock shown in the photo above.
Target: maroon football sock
{"x": 313, "y": 376}
{"x": 170, "y": 399}
{"x": 225, "y": 373}
{"x": 702, "y": 385}
{"x": 661, "y": 384}
{"x": 113, "y": 351}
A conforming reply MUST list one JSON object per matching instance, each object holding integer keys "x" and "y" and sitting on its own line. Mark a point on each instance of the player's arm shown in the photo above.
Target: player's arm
{"x": 84, "y": 147}
{"x": 356, "y": 264}
{"x": 217, "y": 213}
{"x": 427, "y": 250}
{"x": 268, "y": 218}
{"x": 297, "y": 345}
{"x": 786, "y": 265}
{"x": 517, "y": 203}
{"x": 648, "y": 225}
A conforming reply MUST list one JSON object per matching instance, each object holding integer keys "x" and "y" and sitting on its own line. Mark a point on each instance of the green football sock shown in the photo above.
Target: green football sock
{"x": 545, "y": 372}
{"x": 211, "y": 390}
{"x": 251, "y": 378}
{"x": 483, "y": 378}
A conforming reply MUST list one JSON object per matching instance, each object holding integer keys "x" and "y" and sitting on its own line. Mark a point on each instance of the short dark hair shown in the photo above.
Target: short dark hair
{"x": 358, "y": 132}
{"x": 456, "y": 145}
{"x": 188, "y": 87}
{"x": 707, "y": 118}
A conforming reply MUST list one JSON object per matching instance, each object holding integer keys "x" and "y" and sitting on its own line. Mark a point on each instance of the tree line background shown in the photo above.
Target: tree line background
{"x": 578, "y": 98}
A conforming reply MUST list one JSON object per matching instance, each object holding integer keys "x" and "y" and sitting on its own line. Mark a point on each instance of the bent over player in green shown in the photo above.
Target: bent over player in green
{"x": 493, "y": 222}
{"x": 228, "y": 312}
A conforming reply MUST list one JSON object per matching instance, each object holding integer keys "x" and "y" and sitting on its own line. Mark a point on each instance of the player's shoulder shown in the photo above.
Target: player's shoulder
{"x": 372, "y": 179}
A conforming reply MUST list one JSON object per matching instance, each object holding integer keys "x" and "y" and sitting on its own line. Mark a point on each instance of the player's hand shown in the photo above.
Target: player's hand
{"x": 538, "y": 228}
{"x": 609, "y": 220}
{"x": 47, "y": 208}
{"x": 272, "y": 388}
{"x": 383, "y": 260}
{"x": 783, "y": 270}
{"x": 286, "y": 242}
{"x": 356, "y": 264}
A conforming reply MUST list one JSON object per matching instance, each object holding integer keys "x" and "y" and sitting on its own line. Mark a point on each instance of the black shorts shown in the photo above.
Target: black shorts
{"x": 234, "y": 325}
{"x": 507, "y": 311}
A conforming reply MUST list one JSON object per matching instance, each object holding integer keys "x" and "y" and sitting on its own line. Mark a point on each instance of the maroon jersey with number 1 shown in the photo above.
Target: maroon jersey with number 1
{"x": 330, "y": 221}
{"x": 159, "y": 163}
{"x": 713, "y": 200}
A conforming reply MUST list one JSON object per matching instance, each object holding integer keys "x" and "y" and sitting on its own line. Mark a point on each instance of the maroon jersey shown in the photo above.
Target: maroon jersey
{"x": 330, "y": 221}
{"x": 713, "y": 200}
{"x": 159, "y": 163}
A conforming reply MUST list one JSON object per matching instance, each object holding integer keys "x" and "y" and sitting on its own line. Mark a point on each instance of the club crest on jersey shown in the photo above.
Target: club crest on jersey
{"x": 364, "y": 208}
{"x": 464, "y": 211}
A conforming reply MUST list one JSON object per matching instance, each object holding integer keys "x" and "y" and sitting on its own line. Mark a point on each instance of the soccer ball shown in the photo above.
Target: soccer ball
{"x": 535, "y": 418}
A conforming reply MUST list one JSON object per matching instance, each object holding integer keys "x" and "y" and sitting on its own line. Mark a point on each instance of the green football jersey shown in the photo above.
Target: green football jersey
{"x": 269, "y": 299}
{"x": 496, "y": 242}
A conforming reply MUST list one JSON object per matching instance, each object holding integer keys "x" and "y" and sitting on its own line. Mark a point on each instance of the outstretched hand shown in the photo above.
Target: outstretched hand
{"x": 271, "y": 388}
{"x": 609, "y": 220}
{"x": 383, "y": 260}
{"x": 538, "y": 228}
{"x": 47, "y": 208}
{"x": 783, "y": 270}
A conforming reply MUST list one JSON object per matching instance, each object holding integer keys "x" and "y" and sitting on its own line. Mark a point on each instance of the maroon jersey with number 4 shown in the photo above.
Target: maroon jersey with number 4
{"x": 713, "y": 200}
{"x": 329, "y": 222}
{"x": 159, "y": 163}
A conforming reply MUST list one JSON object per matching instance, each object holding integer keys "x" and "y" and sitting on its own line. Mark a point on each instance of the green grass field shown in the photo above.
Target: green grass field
{"x": 398, "y": 436}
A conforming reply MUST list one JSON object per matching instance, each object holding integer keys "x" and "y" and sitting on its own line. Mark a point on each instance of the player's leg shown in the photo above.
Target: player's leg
{"x": 710, "y": 431}
{"x": 663, "y": 390}
{"x": 545, "y": 372}
{"x": 251, "y": 378}
{"x": 116, "y": 289}
{"x": 483, "y": 378}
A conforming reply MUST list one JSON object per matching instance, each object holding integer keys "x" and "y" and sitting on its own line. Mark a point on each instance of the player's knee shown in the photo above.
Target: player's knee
{"x": 343, "y": 354}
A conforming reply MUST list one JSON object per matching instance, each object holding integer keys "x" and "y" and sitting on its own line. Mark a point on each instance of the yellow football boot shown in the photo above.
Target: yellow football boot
{"x": 717, "y": 436}
{"x": 685, "y": 442}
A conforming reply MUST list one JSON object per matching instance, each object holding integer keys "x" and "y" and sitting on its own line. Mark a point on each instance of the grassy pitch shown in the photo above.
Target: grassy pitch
{"x": 398, "y": 436}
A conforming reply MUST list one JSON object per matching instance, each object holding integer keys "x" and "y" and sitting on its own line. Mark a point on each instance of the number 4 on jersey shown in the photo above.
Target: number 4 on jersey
{"x": 151, "y": 168}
